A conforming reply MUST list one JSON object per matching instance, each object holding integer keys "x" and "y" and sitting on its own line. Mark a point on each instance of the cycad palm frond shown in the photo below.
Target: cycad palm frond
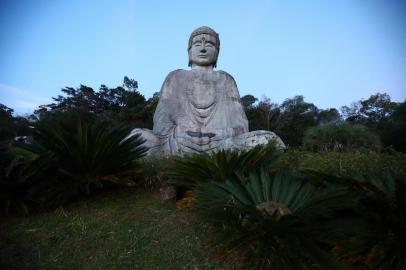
{"x": 273, "y": 219}
{"x": 382, "y": 242}
{"x": 196, "y": 168}
{"x": 86, "y": 153}
{"x": 17, "y": 175}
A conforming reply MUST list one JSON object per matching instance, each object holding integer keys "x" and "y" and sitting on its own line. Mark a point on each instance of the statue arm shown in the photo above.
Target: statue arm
{"x": 238, "y": 122}
{"x": 167, "y": 105}
{"x": 167, "y": 110}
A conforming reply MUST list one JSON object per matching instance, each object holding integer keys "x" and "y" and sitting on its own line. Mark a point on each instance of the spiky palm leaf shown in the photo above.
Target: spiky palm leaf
{"x": 276, "y": 221}
{"x": 83, "y": 153}
{"x": 197, "y": 168}
{"x": 381, "y": 242}
{"x": 92, "y": 152}
{"x": 17, "y": 174}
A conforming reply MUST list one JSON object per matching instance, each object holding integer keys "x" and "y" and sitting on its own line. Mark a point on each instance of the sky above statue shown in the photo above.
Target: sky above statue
{"x": 331, "y": 52}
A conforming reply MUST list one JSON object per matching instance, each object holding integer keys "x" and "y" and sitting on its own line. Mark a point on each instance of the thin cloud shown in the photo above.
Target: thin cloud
{"x": 19, "y": 99}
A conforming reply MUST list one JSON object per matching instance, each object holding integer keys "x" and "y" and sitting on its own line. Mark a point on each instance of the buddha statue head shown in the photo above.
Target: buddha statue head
{"x": 204, "y": 48}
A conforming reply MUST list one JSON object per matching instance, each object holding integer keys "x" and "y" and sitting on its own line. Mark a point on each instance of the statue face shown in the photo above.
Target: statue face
{"x": 203, "y": 51}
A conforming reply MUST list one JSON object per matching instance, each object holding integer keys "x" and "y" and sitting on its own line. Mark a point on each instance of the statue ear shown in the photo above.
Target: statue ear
{"x": 217, "y": 57}
{"x": 190, "y": 63}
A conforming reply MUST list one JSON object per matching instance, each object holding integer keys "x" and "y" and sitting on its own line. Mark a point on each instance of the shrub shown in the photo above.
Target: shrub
{"x": 344, "y": 165}
{"x": 83, "y": 154}
{"x": 381, "y": 242}
{"x": 154, "y": 172}
{"x": 273, "y": 220}
{"x": 192, "y": 169}
{"x": 341, "y": 137}
{"x": 17, "y": 173}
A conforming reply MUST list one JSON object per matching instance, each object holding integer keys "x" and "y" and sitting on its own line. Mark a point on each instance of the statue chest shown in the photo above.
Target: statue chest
{"x": 202, "y": 95}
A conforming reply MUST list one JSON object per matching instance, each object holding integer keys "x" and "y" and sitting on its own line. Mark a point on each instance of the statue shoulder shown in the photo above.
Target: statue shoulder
{"x": 176, "y": 74}
{"x": 231, "y": 84}
{"x": 227, "y": 76}
{"x": 169, "y": 86}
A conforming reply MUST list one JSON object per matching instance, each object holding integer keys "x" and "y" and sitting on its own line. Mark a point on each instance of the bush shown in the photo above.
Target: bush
{"x": 154, "y": 172}
{"x": 340, "y": 137}
{"x": 271, "y": 220}
{"x": 193, "y": 169}
{"x": 294, "y": 210}
{"x": 381, "y": 242}
{"x": 18, "y": 170}
{"x": 82, "y": 154}
{"x": 344, "y": 165}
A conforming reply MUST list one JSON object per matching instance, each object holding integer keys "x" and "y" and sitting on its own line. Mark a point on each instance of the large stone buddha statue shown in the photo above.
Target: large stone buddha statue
{"x": 199, "y": 110}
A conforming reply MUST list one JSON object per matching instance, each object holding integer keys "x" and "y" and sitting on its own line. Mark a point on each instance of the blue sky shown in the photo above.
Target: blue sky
{"x": 332, "y": 52}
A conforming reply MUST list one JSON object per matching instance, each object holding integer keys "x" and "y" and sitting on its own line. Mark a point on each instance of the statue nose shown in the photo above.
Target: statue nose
{"x": 203, "y": 49}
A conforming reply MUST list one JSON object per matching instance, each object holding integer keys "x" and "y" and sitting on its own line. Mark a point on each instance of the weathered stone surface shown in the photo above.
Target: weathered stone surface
{"x": 251, "y": 139}
{"x": 199, "y": 110}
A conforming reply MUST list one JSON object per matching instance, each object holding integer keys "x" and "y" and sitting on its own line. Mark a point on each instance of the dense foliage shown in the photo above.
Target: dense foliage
{"x": 15, "y": 175}
{"x": 277, "y": 213}
{"x": 340, "y": 136}
{"x": 70, "y": 155}
{"x": 87, "y": 152}
{"x": 123, "y": 104}
{"x": 291, "y": 119}
{"x": 344, "y": 165}
{"x": 11, "y": 126}
{"x": 380, "y": 241}
{"x": 336, "y": 196}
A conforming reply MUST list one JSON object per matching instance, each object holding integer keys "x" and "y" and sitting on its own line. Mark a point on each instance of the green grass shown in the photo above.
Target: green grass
{"x": 120, "y": 230}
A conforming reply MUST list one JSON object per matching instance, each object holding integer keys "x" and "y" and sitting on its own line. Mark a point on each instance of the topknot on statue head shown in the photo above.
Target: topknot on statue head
{"x": 208, "y": 31}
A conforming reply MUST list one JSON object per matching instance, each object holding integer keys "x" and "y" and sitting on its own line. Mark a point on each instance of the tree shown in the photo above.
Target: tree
{"x": 341, "y": 137}
{"x": 328, "y": 115}
{"x": 11, "y": 126}
{"x": 262, "y": 116}
{"x": 122, "y": 104}
{"x": 296, "y": 117}
{"x": 375, "y": 113}
{"x": 6, "y": 123}
{"x": 397, "y": 134}
{"x": 248, "y": 101}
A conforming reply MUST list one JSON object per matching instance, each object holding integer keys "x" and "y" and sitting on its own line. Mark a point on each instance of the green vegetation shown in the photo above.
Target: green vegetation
{"x": 341, "y": 137}
{"x": 291, "y": 119}
{"x": 115, "y": 230}
{"x": 380, "y": 242}
{"x": 120, "y": 105}
{"x": 344, "y": 165}
{"x": 290, "y": 216}
{"x": 334, "y": 199}
{"x": 71, "y": 155}
{"x": 89, "y": 152}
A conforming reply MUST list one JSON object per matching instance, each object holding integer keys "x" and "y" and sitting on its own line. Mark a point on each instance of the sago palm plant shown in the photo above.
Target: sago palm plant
{"x": 197, "y": 168}
{"x": 272, "y": 220}
{"x": 85, "y": 153}
{"x": 17, "y": 173}
{"x": 381, "y": 242}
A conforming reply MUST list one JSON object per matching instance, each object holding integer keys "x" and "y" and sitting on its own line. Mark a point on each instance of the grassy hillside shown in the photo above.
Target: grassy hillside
{"x": 120, "y": 230}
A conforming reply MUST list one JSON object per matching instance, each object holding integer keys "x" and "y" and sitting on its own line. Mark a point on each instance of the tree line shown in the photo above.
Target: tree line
{"x": 291, "y": 119}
